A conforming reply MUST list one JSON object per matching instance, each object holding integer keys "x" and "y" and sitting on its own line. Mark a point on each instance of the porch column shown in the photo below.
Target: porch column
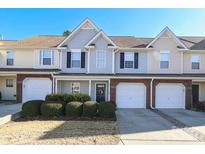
{"x": 89, "y": 87}
{"x": 56, "y": 86}
{"x": 108, "y": 91}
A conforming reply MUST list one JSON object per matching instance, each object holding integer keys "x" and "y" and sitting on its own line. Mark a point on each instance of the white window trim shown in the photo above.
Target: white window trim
{"x": 41, "y": 57}
{"x": 132, "y": 60}
{"x": 199, "y": 61}
{"x": 106, "y": 92}
{"x": 9, "y": 58}
{"x": 75, "y": 51}
{"x": 72, "y": 86}
{"x": 12, "y": 83}
{"x": 163, "y": 52}
{"x": 105, "y": 60}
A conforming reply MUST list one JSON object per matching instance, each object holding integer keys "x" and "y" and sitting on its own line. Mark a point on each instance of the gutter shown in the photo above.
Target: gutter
{"x": 151, "y": 83}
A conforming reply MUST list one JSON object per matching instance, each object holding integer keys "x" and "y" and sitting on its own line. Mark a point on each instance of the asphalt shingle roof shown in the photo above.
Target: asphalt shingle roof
{"x": 193, "y": 43}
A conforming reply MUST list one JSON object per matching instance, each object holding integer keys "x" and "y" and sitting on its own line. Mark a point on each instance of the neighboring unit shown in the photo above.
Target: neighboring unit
{"x": 167, "y": 71}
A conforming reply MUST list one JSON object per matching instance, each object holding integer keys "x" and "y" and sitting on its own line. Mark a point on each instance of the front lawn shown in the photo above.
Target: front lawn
{"x": 59, "y": 132}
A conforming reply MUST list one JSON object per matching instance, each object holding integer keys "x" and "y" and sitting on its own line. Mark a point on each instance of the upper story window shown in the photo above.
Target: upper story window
{"x": 76, "y": 58}
{"x": 164, "y": 59}
{"x": 195, "y": 61}
{"x": 129, "y": 60}
{"x": 100, "y": 58}
{"x": 10, "y": 58}
{"x": 9, "y": 83}
{"x": 46, "y": 57}
{"x": 75, "y": 87}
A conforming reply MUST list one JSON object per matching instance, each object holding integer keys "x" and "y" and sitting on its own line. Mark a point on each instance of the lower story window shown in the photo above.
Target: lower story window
{"x": 75, "y": 87}
{"x": 9, "y": 83}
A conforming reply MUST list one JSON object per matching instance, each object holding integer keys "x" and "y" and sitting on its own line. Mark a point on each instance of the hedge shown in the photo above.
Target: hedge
{"x": 89, "y": 108}
{"x": 55, "y": 97}
{"x": 106, "y": 110}
{"x": 31, "y": 108}
{"x": 74, "y": 109}
{"x": 51, "y": 109}
{"x": 199, "y": 106}
{"x": 77, "y": 98}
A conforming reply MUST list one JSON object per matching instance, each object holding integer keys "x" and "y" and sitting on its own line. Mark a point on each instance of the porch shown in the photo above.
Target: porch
{"x": 198, "y": 91}
{"x": 7, "y": 87}
{"x": 97, "y": 89}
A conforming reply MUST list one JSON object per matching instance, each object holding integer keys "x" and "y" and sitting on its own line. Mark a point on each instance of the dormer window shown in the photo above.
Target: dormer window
{"x": 195, "y": 62}
{"x": 10, "y": 58}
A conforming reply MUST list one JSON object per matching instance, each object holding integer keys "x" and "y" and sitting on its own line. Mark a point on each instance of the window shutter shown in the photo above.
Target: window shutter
{"x": 136, "y": 60}
{"x": 122, "y": 59}
{"x": 40, "y": 57}
{"x": 82, "y": 59}
{"x": 52, "y": 52}
{"x": 68, "y": 59}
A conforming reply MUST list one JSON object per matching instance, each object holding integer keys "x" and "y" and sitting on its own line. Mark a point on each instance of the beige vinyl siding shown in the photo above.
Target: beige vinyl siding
{"x": 7, "y": 93}
{"x": 101, "y": 44}
{"x": 142, "y": 62}
{"x": 27, "y": 58}
{"x": 66, "y": 87}
{"x": 187, "y": 67}
{"x": 175, "y": 57}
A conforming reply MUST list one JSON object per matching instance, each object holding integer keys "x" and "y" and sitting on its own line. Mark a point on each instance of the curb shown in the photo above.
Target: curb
{"x": 9, "y": 118}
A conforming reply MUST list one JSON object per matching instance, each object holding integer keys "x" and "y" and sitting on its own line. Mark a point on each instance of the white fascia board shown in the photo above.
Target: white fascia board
{"x": 77, "y": 28}
{"x": 105, "y": 36}
{"x": 170, "y": 32}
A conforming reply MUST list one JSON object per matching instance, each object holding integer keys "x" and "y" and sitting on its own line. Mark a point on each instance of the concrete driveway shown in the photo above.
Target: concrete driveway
{"x": 191, "y": 119}
{"x": 8, "y": 111}
{"x": 141, "y": 126}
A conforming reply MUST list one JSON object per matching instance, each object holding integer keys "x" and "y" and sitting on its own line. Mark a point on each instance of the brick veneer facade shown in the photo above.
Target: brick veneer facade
{"x": 21, "y": 77}
{"x": 186, "y": 83}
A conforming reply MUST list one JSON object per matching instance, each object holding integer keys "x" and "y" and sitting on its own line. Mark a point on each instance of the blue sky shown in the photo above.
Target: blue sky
{"x": 22, "y": 23}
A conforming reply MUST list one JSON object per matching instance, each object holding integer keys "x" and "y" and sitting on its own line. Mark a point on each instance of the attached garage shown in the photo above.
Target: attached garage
{"x": 170, "y": 95}
{"x": 36, "y": 88}
{"x": 131, "y": 95}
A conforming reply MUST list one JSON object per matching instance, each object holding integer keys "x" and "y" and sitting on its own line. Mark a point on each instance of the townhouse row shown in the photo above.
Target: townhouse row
{"x": 167, "y": 71}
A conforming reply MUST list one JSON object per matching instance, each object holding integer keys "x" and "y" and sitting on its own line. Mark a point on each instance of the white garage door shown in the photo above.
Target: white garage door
{"x": 36, "y": 88}
{"x": 170, "y": 96}
{"x": 131, "y": 95}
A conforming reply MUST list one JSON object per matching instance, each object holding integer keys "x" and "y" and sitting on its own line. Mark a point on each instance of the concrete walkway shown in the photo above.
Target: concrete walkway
{"x": 7, "y": 110}
{"x": 141, "y": 126}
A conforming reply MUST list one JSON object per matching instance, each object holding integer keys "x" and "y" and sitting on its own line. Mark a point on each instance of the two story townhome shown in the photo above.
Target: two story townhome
{"x": 167, "y": 71}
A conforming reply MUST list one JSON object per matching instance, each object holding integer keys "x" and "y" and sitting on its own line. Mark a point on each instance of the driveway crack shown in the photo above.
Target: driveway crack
{"x": 187, "y": 129}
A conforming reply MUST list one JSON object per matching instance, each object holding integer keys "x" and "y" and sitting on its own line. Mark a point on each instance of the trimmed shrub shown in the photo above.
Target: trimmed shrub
{"x": 51, "y": 109}
{"x": 55, "y": 97}
{"x": 89, "y": 108}
{"x": 199, "y": 106}
{"x": 106, "y": 110}
{"x": 31, "y": 108}
{"x": 57, "y": 102}
{"x": 77, "y": 98}
{"x": 74, "y": 109}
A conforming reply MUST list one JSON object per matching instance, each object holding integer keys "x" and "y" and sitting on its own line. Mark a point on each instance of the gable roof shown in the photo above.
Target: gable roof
{"x": 166, "y": 29}
{"x": 87, "y": 20}
{"x": 34, "y": 42}
{"x": 100, "y": 33}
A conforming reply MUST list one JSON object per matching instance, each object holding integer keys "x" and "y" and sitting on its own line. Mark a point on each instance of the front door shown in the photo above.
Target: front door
{"x": 100, "y": 92}
{"x": 195, "y": 93}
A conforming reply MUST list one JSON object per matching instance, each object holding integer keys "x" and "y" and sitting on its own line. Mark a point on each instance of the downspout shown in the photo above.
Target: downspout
{"x": 151, "y": 83}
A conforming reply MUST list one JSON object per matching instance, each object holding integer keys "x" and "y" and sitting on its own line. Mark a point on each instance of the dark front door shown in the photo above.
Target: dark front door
{"x": 195, "y": 93}
{"x": 100, "y": 92}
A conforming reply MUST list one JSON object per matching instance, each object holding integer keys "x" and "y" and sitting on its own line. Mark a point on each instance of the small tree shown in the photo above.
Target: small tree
{"x": 66, "y": 33}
